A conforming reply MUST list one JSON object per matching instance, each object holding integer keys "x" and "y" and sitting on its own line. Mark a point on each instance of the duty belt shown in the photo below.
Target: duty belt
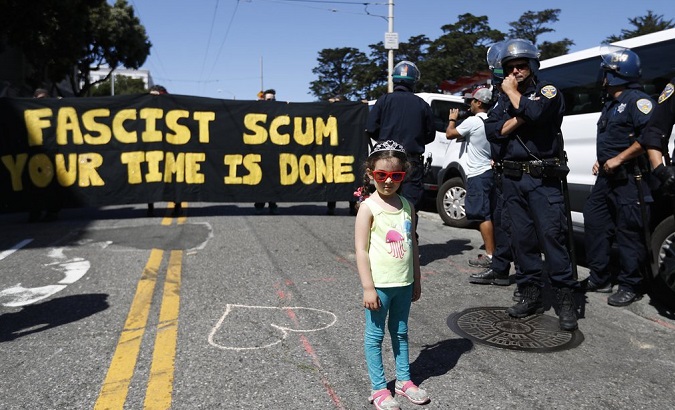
{"x": 547, "y": 168}
{"x": 528, "y": 167}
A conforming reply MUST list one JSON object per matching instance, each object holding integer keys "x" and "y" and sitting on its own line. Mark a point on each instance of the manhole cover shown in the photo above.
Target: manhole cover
{"x": 492, "y": 326}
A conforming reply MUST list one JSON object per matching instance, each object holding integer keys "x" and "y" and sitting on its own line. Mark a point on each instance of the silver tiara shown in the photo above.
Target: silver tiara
{"x": 387, "y": 146}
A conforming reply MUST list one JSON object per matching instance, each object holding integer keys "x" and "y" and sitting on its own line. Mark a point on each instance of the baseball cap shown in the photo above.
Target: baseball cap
{"x": 483, "y": 95}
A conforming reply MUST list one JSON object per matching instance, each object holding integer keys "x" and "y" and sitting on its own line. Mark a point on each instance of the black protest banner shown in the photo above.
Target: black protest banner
{"x": 148, "y": 148}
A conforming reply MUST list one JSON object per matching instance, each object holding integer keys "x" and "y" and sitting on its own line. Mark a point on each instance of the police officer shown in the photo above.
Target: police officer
{"x": 616, "y": 210}
{"x": 656, "y": 136}
{"x": 500, "y": 264}
{"x": 403, "y": 117}
{"x": 526, "y": 123}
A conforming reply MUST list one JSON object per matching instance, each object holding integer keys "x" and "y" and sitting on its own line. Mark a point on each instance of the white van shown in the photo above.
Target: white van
{"x": 445, "y": 161}
{"x": 576, "y": 76}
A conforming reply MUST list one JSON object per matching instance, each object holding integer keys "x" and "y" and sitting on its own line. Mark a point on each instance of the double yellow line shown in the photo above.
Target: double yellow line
{"x": 160, "y": 382}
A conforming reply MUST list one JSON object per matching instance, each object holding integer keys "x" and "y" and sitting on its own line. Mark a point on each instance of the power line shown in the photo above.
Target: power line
{"x": 222, "y": 43}
{"x": 332, "y": 10}
{"x": 336, "y": 2}
{"x": 187, "y": 81}
{"x": 208, "y": 43}
{"x": 203, "y": 81}
{"x": 156, "y": 54}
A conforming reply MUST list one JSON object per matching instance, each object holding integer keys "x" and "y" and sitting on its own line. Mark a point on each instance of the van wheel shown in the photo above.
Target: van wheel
{"x": 662, "y": 284}
{"x": 450, "y": 203}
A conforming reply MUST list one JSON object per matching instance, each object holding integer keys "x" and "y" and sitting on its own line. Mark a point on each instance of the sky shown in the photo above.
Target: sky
{"x": 231, "y": 49}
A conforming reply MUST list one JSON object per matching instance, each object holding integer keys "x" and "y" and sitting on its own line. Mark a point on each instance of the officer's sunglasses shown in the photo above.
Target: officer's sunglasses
{"x": 381, "y": 176}
{"x": 519, "y": 67}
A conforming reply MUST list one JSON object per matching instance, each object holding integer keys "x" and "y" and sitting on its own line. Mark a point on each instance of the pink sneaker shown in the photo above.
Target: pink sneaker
{"x": 417, "y": 397}
{"x": 379, "y": 399}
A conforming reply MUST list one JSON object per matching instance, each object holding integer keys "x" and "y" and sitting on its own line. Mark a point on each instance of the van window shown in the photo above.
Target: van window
{"x": 579, "y": 80}
{"x": 441, "y": 108}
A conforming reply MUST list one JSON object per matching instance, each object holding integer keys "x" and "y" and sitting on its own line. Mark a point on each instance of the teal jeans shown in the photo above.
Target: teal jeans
{"x": 395, "y": 304}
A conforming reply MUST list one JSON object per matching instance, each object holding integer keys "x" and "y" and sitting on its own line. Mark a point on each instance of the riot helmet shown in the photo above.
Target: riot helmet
{"x": 406, "y": 73}
{"x": 494, "y": 63}
{"x": 518, "y": 48}
{"x": 619, "y": 65}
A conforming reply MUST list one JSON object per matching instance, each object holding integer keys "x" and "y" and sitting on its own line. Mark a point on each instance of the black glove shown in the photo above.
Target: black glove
{"x": 667, "y": 177}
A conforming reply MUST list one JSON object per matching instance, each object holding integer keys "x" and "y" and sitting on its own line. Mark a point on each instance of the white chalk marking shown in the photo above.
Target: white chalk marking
{"x": 285, "y": 331}
{"x": 25, "y": 296}
{"x": 15, "y": 248}
{"x": 73, "y": 270}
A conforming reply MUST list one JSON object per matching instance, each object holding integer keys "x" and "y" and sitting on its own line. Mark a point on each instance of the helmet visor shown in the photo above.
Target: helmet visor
{"x": 612, "y": 57}
{"x": 493, "y": 60}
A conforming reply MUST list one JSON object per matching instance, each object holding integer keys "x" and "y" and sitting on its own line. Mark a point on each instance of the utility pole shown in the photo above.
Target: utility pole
{"x": 112, "y": 82}
{"x": 390, "y": 43}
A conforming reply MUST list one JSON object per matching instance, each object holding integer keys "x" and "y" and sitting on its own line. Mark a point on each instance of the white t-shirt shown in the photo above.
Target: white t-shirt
{"x": 478, "y": 159}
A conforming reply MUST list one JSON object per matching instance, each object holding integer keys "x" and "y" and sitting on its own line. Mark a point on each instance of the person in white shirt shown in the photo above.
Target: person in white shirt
{"x": 480, "y": 179}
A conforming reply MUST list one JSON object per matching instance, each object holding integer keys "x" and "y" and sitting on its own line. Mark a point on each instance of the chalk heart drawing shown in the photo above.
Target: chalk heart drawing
{"x": 72, "y": 269}
{"x": 258, "y": 327}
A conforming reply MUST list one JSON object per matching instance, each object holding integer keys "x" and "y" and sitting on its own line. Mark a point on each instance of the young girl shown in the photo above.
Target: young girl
{"x": 388, "y": 263}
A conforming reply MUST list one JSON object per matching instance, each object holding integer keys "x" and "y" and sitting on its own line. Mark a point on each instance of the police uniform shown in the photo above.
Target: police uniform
{"x": 613, "y": 212}
{"x": 403, "y": 117}
{"x": 657, "y": 132}
{"x": 532, "y": 190}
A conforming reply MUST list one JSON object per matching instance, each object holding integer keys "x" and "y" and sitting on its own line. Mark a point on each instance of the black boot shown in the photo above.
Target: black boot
{"x": 530, "y": 303}
{"x": 516, "y": 295}
{"x": 567, "y": 316}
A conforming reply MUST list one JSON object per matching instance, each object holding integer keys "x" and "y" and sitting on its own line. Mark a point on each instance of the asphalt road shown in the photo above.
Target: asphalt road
{"x": 223, "y": 309}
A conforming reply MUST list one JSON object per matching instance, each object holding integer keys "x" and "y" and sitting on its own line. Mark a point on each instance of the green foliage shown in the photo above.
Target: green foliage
{"x": 549, "y": 49}
{"x": 123, "y": 85}
{"x": 650, "y": 23}
{"x": 532, "y": 24}
{"x": 459, "y": 51}
{"x": 339, "y": 72}
{"x": 57, "y": 36}
{"x": 118, "y": 39}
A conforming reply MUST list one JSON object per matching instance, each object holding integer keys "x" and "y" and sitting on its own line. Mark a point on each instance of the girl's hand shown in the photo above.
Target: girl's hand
{"x": 370, "y": 300}
{"x": 417, "y": 291}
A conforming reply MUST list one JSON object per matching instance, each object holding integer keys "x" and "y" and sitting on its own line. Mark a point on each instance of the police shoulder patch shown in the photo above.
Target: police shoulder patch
{"x": 666, "y": 93}
{"x": 644, "y": 105}
{"x": 549, "y": 91}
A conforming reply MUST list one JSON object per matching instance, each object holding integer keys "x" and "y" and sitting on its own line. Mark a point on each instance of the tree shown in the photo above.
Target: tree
{"x": 123, "y": 85}
{"x": 376, "y": 82}
{"x": 549, "y": 49}
{"x": 532, "y": 24}
{"x": 338, "y": 72}
{"x": 51, "y": 35}
{"x": 118, "y": 39}
{"x": 58, "y": 36}
{"x": 651, "y": 23}
{"x": 460, "y": 51}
